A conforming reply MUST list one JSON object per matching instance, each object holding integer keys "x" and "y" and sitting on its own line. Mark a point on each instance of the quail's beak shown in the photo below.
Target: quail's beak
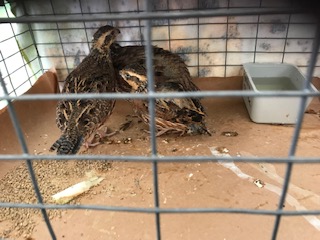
{"x": 121, "y": 72}
{"x": 112, "y": 35}
{"x": 116, "y": 32}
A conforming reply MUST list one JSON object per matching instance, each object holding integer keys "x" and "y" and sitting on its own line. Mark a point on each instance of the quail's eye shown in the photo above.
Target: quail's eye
{"x": 127, "y": 76}
{"x": 158, "y": 73}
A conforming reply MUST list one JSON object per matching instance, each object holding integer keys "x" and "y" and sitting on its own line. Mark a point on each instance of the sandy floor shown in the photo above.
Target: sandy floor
{"x": 181, "y": 184}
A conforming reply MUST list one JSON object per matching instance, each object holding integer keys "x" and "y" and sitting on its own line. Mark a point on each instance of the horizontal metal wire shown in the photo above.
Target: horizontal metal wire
{"x": 191, "y": 66}
{"x": 168, "y": 9}
{"x": 27, "y": 80}
{"x": 154, "y": 158}
{"x": 154, "y": 95}
{"x": 153, "y": 15}
{"x": 161, "y": 210}
{"x": 67, "y": 28}
{"x": 179, "y": 39}
{"x": 15, "y": 35}
{"x": 194, "y": 53}
{"x": 23, "y": 66}
{"x": 132, "y": 158}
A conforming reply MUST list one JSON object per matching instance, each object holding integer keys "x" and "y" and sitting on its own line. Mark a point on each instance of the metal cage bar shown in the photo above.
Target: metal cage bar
{"x": 154, "y": 15}
{"x": 297, "y": 129}
{"x": 152, "y": 113}
{"x": 24, "y": 147}
{"x": 149, "y": 15}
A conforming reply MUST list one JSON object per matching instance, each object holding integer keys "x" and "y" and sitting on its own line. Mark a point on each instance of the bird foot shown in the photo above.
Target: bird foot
{"x": 162, "y": 132}
{"x": 166, "y": 130}
{"x": 89, "y": 145}
{"x": 103, "y": 133}
{"x": 97, "y": 138}
{"x": 126, "y": 125}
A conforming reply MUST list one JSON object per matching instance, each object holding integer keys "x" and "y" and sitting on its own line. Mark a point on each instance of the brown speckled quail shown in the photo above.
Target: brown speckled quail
{"x": 78, "y": 119}
{"x": 178, "y": 115}
{"x": 166, "y": 64}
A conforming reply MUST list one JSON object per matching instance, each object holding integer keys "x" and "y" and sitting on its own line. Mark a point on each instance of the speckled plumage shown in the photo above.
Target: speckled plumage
{"x": 167, "y": 65}
{"x": 178, "y": 115}
{"x": 78, "y": 119}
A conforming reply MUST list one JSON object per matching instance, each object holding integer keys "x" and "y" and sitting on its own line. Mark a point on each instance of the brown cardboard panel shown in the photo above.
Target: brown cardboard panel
{"x": 36, "y": 118}
{"x": 185, "y": 184}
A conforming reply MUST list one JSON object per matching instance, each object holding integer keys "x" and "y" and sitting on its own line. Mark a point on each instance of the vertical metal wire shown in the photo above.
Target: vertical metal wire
{"x": 60, "y": 39}
{"x": 226, "y": 47}
{"x": 84, "y": 26}
{"x": 149, "y": 64}
{"x": 256, "y": 39}
{"x": 286, "y": 39}
{"x": 139, "y": 21}
{"x": 169, "y": 35}
{"x": 295, "y": 138}
{"x": 198, "y": 41}
{"x": 4, "y": 62}
{"x": 5, "y": 66}
{"x": 25, "y": 151}
{"x": 15, "y": 37}
{"x": 287, "y": 32}
{"x": 109, "y": 5}
{"x": 33, "y": 40}
{"x": 36, "y": 47}
{"x": 151, "y": 90}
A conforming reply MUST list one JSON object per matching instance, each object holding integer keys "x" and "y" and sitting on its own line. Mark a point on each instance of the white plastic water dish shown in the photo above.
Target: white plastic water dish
{"x": 273, "y": 77}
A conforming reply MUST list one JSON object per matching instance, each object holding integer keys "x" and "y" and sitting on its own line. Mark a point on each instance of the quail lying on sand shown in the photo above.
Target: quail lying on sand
{"x": 78, "y": 119}
{"x": 178, "y": 115}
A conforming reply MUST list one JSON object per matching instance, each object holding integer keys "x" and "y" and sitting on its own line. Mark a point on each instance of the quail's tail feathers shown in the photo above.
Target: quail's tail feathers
{"x": 67, "y": 145}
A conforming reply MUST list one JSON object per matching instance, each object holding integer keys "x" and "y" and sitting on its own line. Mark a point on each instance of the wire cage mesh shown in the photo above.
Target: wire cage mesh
{"x": 214, "y": 38}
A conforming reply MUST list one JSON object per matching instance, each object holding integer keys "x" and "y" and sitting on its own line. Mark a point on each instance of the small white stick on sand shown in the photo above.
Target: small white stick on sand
{"x": 70, "y": 193}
